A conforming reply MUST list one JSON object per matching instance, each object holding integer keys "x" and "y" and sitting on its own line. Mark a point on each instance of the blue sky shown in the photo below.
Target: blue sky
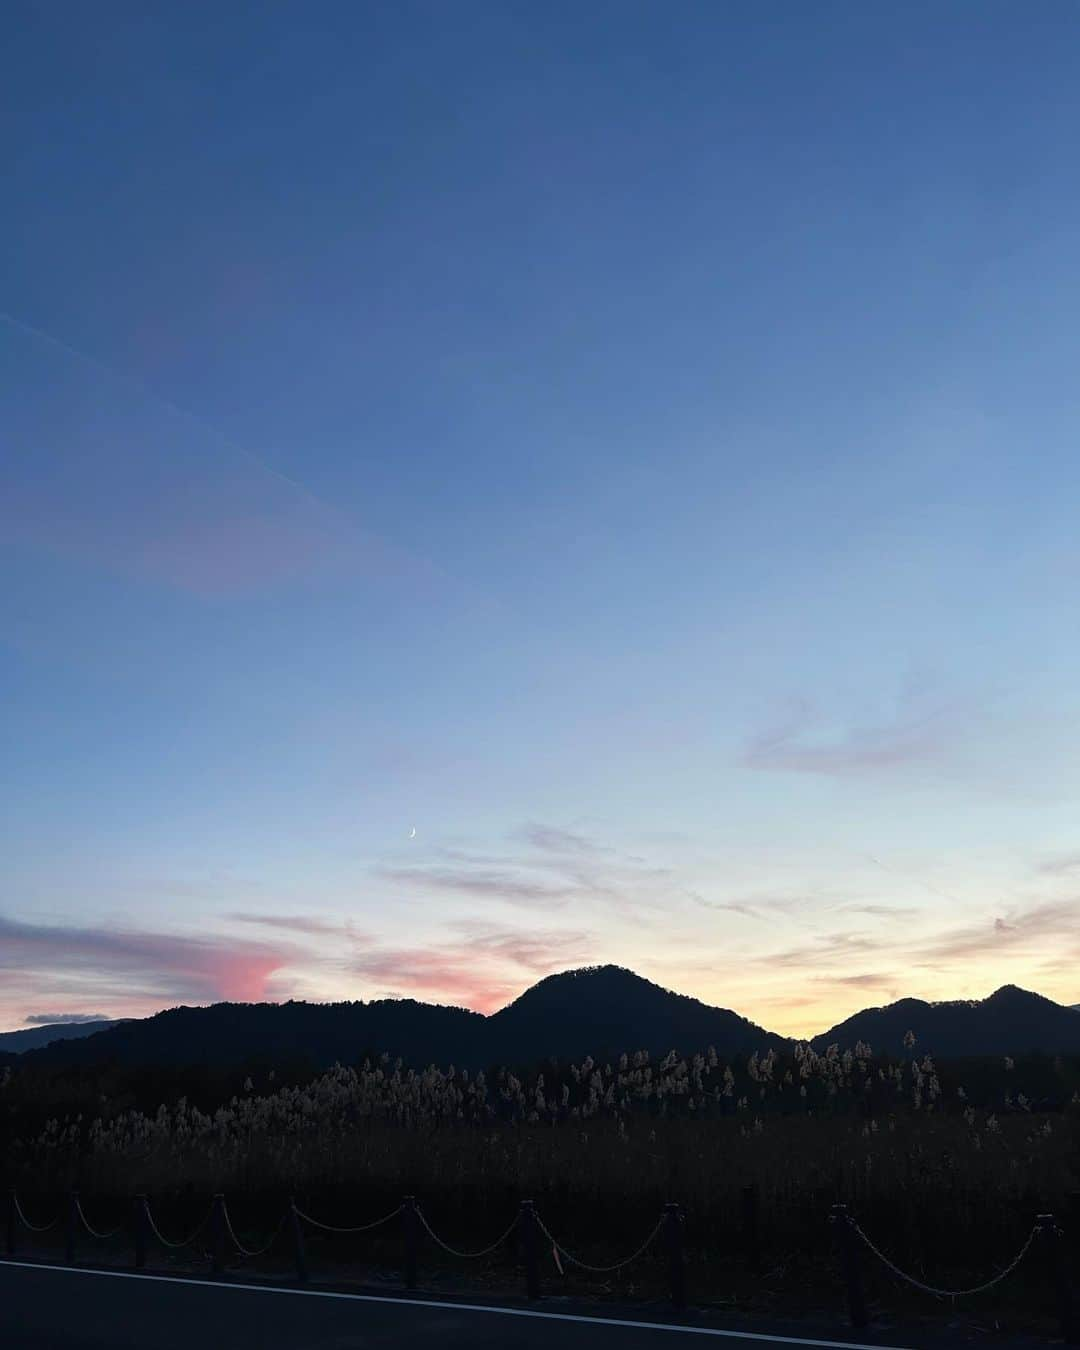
{"x": 632, "y": 446}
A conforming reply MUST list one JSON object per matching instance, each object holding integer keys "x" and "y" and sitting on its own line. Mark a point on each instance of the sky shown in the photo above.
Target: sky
{"x": 493, "y": 488}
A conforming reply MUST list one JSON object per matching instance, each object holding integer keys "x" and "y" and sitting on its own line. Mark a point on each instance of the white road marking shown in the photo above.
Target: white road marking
{"x": 759, "y": 1336}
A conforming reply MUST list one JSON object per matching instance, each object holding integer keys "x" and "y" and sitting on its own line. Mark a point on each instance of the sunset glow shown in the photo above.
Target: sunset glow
{"x": 469, "y": 512}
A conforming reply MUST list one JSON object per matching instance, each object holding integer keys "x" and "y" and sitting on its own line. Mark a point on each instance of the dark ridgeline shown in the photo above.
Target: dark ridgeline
{"x": 1011, "y": 1020}
{"x": 605, "y": 1010}
{"x": 602, "y": 1011}
{"x": 598, "y": 1011}
{"x": 31, "y": 1038}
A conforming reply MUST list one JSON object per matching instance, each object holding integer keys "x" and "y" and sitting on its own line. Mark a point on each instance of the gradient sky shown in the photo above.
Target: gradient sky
{"x": 632, "y": 445}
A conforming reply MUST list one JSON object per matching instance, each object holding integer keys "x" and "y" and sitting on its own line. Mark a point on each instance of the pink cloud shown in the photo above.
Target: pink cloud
{"x": 113, "y": 963}
{"x": 484, "y": 972}
{"x": 439, "y": 976}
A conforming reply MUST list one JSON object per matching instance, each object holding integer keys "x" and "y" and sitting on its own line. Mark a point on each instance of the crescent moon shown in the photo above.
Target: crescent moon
{"x": 412, "y": 833}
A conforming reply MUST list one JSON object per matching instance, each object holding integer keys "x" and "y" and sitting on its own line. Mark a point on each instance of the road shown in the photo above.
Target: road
{"x": 55, "y": 1308}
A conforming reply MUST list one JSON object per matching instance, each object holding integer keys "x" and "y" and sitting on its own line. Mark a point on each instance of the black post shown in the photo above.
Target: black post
{"x": 217, "y": 1235}
{"x": 531, "y": 1242}
{"x": 1051, "y": 1238}
{"x": 138, "y": 1230}
{"x": 676, "y": 1271}
{"x": 1072, "y": 1225}
{"x": 848, "y": 1251}
{"x": 11, "y": 1222}
{"x": 409, "y": 1227}
{"x": 298, "y": 1242}
{"x": 72, "y": 1228}
{"x": 751, "y": 1245}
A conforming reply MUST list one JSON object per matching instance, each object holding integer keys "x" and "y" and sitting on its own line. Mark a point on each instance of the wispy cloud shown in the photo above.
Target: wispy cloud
{"x": 481, "y": 884}
{"x": 861, "y": 980}
{"x": 752, "y": 906}
{"x": 825, "y": 947}
{"x": 533, "y": 951}
{"x": 558, "y": 866}
{"x": 552, "y": 839}
{"x": 1055, "y": 921}
{"x": 1061, "y": 865}
{"x": 176, "y": 966}
{"x": 45, "y": 1019}
{"x": 484, "y": 971}
{"x": 148, "y": 489}
{"x": 801, "y": 745}
{"x": 436, "y": 976}
{"x": 293, "y": 923}
{"x": 880, "y": 911}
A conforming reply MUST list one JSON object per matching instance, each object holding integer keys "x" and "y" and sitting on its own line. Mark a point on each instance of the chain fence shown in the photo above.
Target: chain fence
{"x": 852, "y": 1237}
{"x": 467, "y": 1256}
{"x": 916, "y": 1283}
{"x": 360, "y": 1228}
{"x": 33, "y": 1228}
{"x": 174, "y": 1246}
{"x": 245, "y": 1251}
{"x": 101, "y": 1237}
{"x": 601, "y": 1270}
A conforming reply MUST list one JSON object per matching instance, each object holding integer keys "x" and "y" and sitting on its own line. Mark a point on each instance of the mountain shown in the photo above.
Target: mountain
{"x": 15, "y": 1042}
{"x": 604, "y": 1010}
{"x": 312, "y": 1034}
{"x": 601, "y": 1010}
{"x": 1010, "y": 1021}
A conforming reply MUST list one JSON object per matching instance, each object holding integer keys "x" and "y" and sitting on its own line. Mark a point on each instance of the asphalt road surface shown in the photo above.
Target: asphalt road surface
{"x": 54, "y": 1308}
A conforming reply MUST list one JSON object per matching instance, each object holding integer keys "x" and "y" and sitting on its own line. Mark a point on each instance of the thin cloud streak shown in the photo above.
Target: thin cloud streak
{"x": 1060, "y": 866}
{"x": 177, "y": 966}
{"x": 1055, "y": 921}
{"x": 46, "y": 1019}
{"x": 201, "y": 513}
{"x": 294, "y": 923}
{"x": 793, "y": 747}
{"x": 488, "y": 885}
{"x": 880, "y": 911}
{"x": 474, "y": 972}
{"x": 552, "y": 839}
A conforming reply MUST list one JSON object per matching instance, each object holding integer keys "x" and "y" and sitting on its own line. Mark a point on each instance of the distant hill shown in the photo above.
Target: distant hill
{"x": 313, "y": 1034}
{"x": 1010, "y": 1021}
{"x": 16, "y": 1042}
{"x": 604, "y": 1010}
{"x": 600, "y": 1011}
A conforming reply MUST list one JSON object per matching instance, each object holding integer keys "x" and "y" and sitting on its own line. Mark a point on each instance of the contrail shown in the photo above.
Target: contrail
{"x": 123, "y": 377}
{"x": 910, "y": 877}
{"x": 418, "y": 563}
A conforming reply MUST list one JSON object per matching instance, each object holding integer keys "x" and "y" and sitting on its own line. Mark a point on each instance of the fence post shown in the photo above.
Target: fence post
{"x": 217, "y": 1235}
{"x": 531, "y": 1242}
{"x": 138, "y": 1230}
{"x": 673, "y": 1223}
{"x": 11, "y": 1224}
{"x": 72, "y": 1227}
{"x": 1050, "y": 1239}
{"x": 409, "y": 1225}
{"x": 848, "y": 1252}
{"x": 751, "y": 1245}
{"x": 298, "y": 1242}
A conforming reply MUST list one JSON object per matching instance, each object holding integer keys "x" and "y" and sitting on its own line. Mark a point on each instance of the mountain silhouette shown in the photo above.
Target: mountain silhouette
{"x": 602, "y": 1010}
{"x": 1011, "y": 1020}
{"x": 30, "y": 1038}
{"x": 599, "y": 1010}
